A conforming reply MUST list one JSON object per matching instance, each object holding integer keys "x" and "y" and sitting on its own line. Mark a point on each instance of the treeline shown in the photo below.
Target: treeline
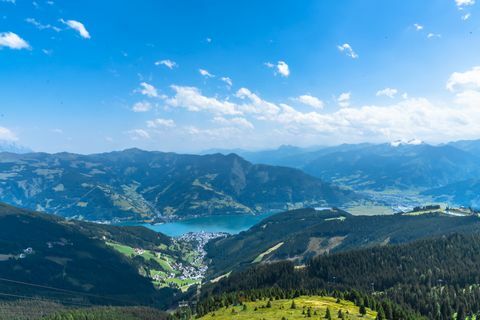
{"x": 436, "y": 277}
{"x": 110, "y": 313}
{"x": 385, "y": 308}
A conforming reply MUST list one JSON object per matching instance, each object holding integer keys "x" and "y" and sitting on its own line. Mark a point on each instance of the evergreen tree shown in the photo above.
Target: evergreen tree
{"x": 328, "y": 314}
{"x": 363, "y": 310}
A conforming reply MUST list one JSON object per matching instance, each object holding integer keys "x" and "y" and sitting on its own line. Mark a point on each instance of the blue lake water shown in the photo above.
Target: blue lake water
{"x": 231, "y": 224}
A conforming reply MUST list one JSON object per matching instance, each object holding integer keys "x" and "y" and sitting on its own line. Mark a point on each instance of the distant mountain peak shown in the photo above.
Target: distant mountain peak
{"x": 402, "y": 142}
{"x": 13, "y": 147}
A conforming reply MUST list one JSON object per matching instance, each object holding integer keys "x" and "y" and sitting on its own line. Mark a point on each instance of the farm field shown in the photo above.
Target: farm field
{"x": 316, "y": 306}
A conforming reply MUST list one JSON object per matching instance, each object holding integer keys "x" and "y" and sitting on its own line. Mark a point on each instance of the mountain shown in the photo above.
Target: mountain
{"x": 403, "y": 166}
{"x": 140, "y": 185}
{"x": 46, "y": 256}
{"x": 465, "y": 193}
{"x": 471, "y": 146}
{"x": 300, "y": 235}
{"x": 398, "y": 165}
{"x": 13, "y": 147}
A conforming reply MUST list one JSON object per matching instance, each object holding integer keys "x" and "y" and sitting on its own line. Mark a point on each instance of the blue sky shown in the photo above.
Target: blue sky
{"x": 92, "y": 76}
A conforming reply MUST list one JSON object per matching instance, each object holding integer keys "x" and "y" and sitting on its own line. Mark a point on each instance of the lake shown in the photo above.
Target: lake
{"x": 231, "y": 224}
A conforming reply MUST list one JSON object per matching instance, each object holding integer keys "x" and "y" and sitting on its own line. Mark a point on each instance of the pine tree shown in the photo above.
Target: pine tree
{"x": 328, "y": 314}
{"x": 293, "y": 305}
{"x": 363, "y": 310}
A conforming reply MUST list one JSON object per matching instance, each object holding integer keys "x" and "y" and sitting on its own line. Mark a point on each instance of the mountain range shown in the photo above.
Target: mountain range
{"x": 448, "y": 170}
{"x": 151, "y": 186}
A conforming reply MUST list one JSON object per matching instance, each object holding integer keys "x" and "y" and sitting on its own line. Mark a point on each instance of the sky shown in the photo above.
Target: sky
{"x": 93, "y": 76}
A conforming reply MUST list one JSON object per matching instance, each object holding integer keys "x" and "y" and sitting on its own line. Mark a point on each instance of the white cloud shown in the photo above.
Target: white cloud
{"x": 281, "y": 68}
{"x": 465, "y": 80}
{"x": 77, "y": 26}
{"x": 148, "y": 90}
{"x": 138, "y": 134}
{"x": 434, "y": 35}
{"x": 463, "y": 3}
{"x": 167, "y": 63}
{"x": 418, "y": 27}
{"x": 205, "y": 73}
{"x": 192, "y": 99}
{"x": 237, "y": 122}
{"x": 9, "y": 1}
{"x": 311, "y": 101}
{"x": 466, "y": 16}
{"x": 406, "y": 119}
{"x": 260, "y": 108}
{"x": 7, "y": 134}
{"x": 159, "y": 122}
{"x": 347, "y": 49}
{"x": 142, "y": 106}
{"x": 227, "y": 80}
{"x": 344, "y": 99}
{"x": 41, "y": 26}
{"x": 209, "y": 40}
{"x": 387, "y": 92}
{"x": 57, "y": 131}
{"x": 12, "y": 41}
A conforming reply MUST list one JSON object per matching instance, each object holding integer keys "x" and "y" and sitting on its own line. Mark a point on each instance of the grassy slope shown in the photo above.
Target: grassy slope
{"x": 281, "y": 308}
{"x": 163, "y": 257}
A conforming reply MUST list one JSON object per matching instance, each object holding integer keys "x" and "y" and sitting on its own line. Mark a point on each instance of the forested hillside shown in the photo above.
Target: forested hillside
{"x": 437, "y": 277}
{"x": 46, "y": 256}
{"x": 300, "y": 235}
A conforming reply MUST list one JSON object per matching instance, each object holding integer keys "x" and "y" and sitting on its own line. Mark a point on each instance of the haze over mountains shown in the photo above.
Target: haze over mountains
{"x": 448, "y": 169}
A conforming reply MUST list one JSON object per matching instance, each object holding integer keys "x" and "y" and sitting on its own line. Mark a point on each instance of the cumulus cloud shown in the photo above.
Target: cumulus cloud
{"x": 142, "y": 106}
{"x": 432, "y": 35}
{"x": 77, "y": 26}
{"x": 167, "y": 63}
{"x": 344, "y": 99}
{"x": 227, "y": 80}
{"x": 408, "y": 118}
{"x": 159, "y": 122}
{"x": 311, "y": 101}
{"x": 464, "y": 3}
{"x": 281, "y": 68}
{"x": 138, "y": 134}
{"x": 7, "y": 134}
{"x": 469, "y": 79}
{"x": 418, "y": 27}
{"x": 347, "y": 49}
{"x": 148, "y": 90}
{"x": 260, "y": 108}
{"x": 237, "y": 122}
{"x": 192, "y": 99}
{"x": 387, "y": 92}
{"x": 13, "y": 41}
{"x": 205, "y": 73}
